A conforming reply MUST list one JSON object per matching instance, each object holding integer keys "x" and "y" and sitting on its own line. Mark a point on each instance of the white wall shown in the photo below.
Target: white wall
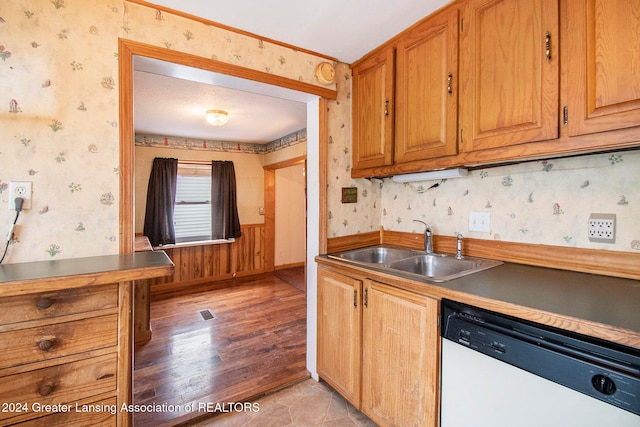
{"x": 290, "y": 239}
{"x": 313, "y": 230}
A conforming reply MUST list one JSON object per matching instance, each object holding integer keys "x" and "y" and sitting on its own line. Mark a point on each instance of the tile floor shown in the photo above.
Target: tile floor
{"x": 308, "y": 403}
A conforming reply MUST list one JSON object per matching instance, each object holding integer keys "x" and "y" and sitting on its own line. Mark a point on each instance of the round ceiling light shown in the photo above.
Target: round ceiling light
{"x": 217, "y": 117}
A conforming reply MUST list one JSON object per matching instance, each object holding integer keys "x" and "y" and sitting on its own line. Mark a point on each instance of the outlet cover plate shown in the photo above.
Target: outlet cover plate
{"x": 602, "y": 228}
{"x": 20, "y": 189}
{"x": 480, "y": 221}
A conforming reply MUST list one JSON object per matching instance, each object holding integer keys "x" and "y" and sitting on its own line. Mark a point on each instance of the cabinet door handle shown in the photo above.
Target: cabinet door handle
{"x": 46, "y": 345}
{"x": 449, "y": 80}
{"x": 365, "y": 297}
{"x": 355, "y": 298}
{"x": 44, "y": 303}
{"x": 386, "y": 107}
{"x": 547, "y": 45}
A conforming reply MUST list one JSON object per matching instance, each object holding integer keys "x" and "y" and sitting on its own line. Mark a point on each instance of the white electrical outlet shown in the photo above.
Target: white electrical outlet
{"x": 480, "y": 221}
{"x": 20, "y": 189}
{"x": 602, "y": 228}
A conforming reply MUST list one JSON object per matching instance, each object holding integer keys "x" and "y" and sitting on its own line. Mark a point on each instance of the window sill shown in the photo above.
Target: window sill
{"x": 194, "y": 243}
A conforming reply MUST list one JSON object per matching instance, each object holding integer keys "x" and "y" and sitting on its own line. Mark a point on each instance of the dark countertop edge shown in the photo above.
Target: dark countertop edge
{"x": 559, "y": 314}
{"x": 96, "y": 270}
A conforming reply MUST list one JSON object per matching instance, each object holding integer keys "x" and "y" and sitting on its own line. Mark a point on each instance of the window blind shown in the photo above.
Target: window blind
{"x": 192, "y": 215}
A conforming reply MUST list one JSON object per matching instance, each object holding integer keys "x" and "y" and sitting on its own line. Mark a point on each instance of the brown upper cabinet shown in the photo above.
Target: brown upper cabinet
{"x": 426, "y": 90}
{"x": 510, "y": 59}
{"x": 604, "y": 65}
{"x": 373, "y": 101}
{"x": 495, "y": 81}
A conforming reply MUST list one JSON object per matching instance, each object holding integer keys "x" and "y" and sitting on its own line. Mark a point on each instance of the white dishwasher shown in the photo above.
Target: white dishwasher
{"x": 499, "y": 371}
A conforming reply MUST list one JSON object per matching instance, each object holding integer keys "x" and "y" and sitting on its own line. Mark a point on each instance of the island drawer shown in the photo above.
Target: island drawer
{"x": 23, "y": 308}
{"x": 57, "y": 388}
{"x": 48, "y": 342}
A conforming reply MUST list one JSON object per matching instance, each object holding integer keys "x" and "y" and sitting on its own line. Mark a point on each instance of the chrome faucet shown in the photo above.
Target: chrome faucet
{"x": 428, "y": 245}
{"x": 459, "y": 246}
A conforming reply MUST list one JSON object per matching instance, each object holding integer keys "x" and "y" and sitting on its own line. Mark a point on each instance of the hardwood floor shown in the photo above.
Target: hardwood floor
{"x": 255, "y": 343}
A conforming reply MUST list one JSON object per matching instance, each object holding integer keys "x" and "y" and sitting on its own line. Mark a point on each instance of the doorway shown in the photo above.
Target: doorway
{"x": 316, "y": 132}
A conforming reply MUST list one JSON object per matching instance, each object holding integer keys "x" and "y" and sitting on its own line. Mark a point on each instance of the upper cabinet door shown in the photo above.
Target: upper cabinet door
{"x": 603, "y": 47}
{"x": 426, "y": 90}
{"x": 511, "y": 60}
{"x": 373, "y": 104}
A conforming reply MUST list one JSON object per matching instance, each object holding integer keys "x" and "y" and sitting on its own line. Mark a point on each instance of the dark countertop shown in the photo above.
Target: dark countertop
{"x": 602, "y": 299}
{"x": 601, "y": 306}
{"x": 74, "y": 272}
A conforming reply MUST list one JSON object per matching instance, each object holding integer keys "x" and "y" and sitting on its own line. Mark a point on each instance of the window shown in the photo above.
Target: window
{"x": 192, "y": 212}
{"x": 182, "y": 198}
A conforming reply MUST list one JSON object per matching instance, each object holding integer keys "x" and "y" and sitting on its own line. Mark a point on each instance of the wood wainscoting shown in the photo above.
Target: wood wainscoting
{"x": 214, "y": 262}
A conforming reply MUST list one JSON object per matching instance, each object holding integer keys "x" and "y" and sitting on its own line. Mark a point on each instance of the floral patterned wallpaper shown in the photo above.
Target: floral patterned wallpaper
{"x": 348, "y": 218}
{"x": 58, "y": 85}
{"x": 542, "y": 202}
{"x": 59, "y": 88}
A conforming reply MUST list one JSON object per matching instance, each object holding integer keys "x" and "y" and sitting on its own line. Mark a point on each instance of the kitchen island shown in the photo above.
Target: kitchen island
{"x": 66, "y": 338}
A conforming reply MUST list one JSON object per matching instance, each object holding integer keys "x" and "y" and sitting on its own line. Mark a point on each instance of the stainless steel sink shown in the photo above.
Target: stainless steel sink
{"x": 415, "y": 263}
{"x": 376, "y": 254}
{"x": 440, "y": 268}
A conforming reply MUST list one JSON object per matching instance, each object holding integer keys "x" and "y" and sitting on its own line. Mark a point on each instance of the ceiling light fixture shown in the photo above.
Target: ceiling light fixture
{"x": 426, "y": 176}
{"x": 217, "y": 117}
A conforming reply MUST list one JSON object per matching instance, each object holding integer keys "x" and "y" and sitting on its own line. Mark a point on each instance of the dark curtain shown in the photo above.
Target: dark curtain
{"x": 225, "y": 223}
{"x": 161, "y": 199}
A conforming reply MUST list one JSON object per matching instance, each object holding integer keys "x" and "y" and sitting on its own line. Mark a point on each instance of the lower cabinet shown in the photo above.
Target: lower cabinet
{"x": 378, "y": 346}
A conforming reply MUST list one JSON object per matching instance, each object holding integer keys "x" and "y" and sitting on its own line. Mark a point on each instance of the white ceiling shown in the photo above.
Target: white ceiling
{"x": 343, "y": 29}
{"x": 171, "y": 99}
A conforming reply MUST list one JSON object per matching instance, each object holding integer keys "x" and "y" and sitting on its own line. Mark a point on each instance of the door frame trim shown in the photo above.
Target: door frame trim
{"x": 126, "y": 50}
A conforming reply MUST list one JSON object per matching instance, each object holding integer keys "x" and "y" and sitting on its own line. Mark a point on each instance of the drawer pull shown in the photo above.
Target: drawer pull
{"x": 44, "y": 303}
{"x": 46, "y": 389}
{"x": 105, "y": 376}
{"x": 46, "y": 345}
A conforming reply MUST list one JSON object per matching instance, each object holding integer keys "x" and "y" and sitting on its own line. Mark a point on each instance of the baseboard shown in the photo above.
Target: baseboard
{"x": 286, "y": 266}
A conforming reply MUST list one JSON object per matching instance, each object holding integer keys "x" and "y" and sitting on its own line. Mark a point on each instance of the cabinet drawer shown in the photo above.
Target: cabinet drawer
{"x": 61, "y": 385}
{"x": 44, "y": 305}
{"x": 60, "y": 339}
{"x": 77, "y": 419}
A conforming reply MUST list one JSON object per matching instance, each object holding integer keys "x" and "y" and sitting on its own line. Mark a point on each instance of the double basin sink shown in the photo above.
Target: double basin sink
{"x": 415, "y": 263}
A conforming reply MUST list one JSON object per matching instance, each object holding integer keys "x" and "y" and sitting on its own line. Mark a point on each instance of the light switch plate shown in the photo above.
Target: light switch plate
{"x": 480, "y": 221}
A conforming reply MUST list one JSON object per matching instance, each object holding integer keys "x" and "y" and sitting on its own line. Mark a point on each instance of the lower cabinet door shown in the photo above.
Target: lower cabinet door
{"x": 400, "y": 357}
{"x": 339, "y": 333}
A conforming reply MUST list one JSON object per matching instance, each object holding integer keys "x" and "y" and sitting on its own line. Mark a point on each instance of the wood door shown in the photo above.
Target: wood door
{"x": 603, "y": 44}
{"x": 426, "y": 90}
{"x": 400, "y": 357}
{"x": 373, "y": 104}
{"x": 340, "y": 333}
{"x": 511, "y": 90}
